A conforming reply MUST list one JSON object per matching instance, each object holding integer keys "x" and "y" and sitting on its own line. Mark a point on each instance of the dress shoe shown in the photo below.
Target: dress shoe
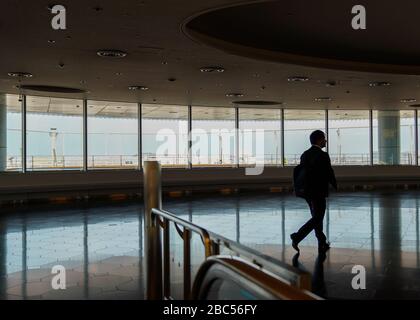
{"x": 324, "y": 247}
{"x": 294, "y": 242}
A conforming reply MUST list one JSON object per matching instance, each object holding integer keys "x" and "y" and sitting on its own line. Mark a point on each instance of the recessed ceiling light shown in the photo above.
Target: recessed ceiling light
{"x": 213, "y": 69}
{"x": 20, "y": 74}
{"x": 51, "y": 41}
{"x": 331, "y": 83}
{"x": 408, "y": 100}
{"x": 234, "y": 95}
{"x": 322, "y": 99}
{"x": 118, "y": 74}
{"x": 144, "y": 88}
{"x": 297, "y": 79}
{"x": 379, "y": 84}
{"x": 111, "y": 53}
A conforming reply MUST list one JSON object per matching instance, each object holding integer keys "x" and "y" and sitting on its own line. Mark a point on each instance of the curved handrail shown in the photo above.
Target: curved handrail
{"x": 289, "y": 275}
{"x": 255, "y": 282}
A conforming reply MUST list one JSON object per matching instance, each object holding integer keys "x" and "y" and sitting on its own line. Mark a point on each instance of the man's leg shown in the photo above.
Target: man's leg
{"x": 307, "y": 227}
{"x": 318, "y": 213}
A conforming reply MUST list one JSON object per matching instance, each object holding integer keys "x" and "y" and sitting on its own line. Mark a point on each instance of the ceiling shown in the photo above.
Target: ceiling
{"x": 161, "y": 45}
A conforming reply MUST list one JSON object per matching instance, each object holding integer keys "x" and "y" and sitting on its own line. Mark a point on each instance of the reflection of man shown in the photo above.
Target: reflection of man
{"x": 318, "y": 175}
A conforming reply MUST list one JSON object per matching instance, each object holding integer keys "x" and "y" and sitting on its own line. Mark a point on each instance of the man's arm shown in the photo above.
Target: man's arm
{"x": 330, "y": 172}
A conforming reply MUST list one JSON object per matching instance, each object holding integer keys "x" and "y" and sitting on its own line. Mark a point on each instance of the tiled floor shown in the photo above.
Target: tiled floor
{"x": 101, "y": 245}
{"x": 100, "y": 248}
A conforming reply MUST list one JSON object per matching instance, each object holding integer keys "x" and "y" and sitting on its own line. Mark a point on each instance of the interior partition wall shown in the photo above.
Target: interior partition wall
{"x": 46, "y": 133}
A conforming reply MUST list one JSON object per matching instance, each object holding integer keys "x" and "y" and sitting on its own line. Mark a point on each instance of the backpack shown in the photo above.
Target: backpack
{"x": 299, "y": 180}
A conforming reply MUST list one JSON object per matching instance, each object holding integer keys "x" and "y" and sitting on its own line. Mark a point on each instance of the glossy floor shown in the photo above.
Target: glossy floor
{"x": 101, "y": 246}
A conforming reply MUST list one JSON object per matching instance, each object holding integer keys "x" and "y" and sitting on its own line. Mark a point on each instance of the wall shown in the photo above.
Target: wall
{"x": 33, "y": 185}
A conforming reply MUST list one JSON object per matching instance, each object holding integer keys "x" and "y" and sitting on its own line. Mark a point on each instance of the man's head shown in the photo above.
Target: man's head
{"x": 318, "y": 138}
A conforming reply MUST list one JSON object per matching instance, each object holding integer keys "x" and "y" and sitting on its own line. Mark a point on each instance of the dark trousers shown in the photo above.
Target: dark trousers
{"x": 317, "y": 207}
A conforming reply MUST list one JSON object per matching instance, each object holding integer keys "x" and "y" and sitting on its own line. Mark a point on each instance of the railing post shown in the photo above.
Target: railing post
{"x": 187, "y": 264}
{"x": 153, "y": 255}
{"x": 166, "y": 260}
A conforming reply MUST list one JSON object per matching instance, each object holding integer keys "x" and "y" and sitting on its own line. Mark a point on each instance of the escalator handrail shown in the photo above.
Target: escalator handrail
{"x": 264, "y": 284}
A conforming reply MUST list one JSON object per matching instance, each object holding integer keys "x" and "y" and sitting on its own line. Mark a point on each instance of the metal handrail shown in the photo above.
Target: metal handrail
{"x": 158, "y": 283}
{"x": 212, "y": 243}
{"x": 253, "y": 282}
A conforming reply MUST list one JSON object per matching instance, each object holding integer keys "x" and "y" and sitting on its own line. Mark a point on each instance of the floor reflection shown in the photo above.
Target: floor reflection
{"x": 379, "y": 231}
{"x": 101, "y": 246}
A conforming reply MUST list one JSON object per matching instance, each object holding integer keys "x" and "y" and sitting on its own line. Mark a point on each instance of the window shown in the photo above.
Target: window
{"x": 11, "y": 136}
{"x": 259, "y": 136}
{"x": 348, "y": 137}
{"x": 54, "y": 133}
{"x": 112, "y": 135}
{"x": 213, "y": 136}
{"x": 298, "y": 125}
{"x": 165, "y": 134}
{"x": 393, "y": 137}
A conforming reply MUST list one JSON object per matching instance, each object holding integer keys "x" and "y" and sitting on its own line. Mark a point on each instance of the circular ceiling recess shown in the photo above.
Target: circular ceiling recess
{"x": 257, "y": 103}
{"x": 316, "y": 33}
{"x": 51, "y": 89}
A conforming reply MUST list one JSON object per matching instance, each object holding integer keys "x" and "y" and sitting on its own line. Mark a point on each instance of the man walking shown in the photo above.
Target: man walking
{"x": 318, "y": 174}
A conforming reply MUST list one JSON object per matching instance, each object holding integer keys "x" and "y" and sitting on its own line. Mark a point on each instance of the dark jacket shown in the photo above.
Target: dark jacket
{"x": 318, "y": 172}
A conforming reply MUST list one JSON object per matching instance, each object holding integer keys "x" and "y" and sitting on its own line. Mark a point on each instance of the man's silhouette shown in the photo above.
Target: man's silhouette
{"x": 318, "y": 174}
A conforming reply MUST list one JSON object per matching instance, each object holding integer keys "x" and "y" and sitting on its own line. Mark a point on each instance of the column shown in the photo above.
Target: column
{"x": 392, "y": 281}
{"x": 3, "y": 258}
{"x": 3, "y": 132}
{"x": 389, "y": 137}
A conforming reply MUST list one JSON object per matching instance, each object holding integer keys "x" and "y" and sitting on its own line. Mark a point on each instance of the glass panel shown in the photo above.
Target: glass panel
{"x": 348, "y": 136}
{"x": 54, "y": 133}
{"x": 298, "y": 125}
{"x": 407, "y": 137}
{"x": 259, "y": 136}
{"x": 165, "y": 134}
{"x": 393, "y": 137}
{"x": 213, "y": 136}
{"x": 112, "y": 135}
{"x": 11, "y": 138}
